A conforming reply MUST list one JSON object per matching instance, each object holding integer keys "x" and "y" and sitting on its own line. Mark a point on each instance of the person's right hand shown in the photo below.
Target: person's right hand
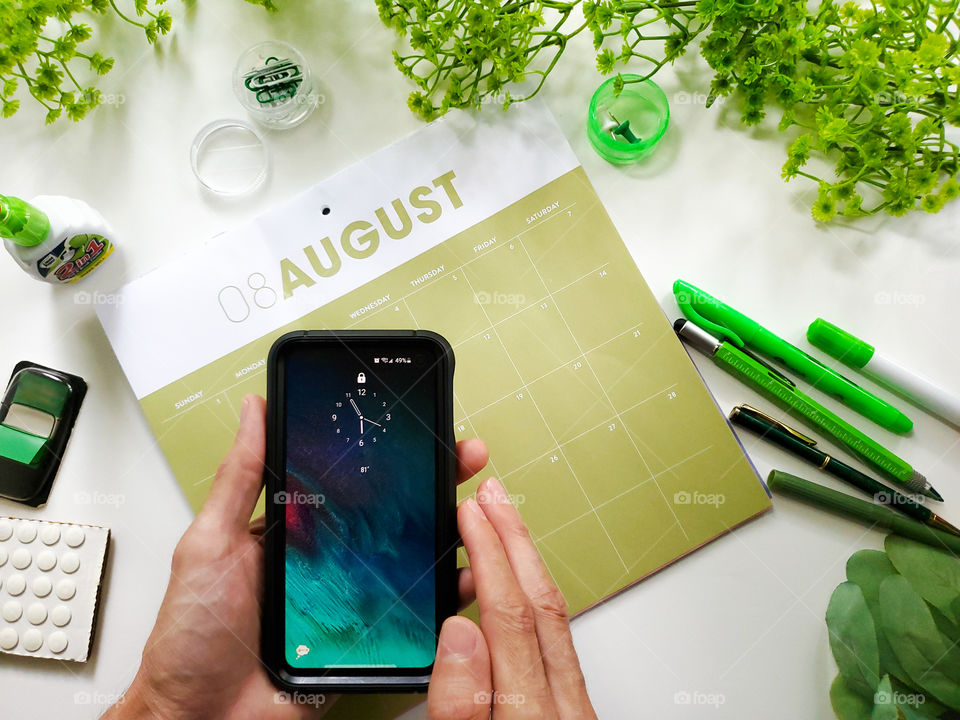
{"x": 520, "y": 662}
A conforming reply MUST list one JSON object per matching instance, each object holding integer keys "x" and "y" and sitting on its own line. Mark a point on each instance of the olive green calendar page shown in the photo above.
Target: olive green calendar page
{"x": 598, "y": 423}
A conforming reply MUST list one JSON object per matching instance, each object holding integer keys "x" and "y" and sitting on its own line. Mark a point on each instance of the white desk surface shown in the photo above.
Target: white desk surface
{"x": 738, "y": 624}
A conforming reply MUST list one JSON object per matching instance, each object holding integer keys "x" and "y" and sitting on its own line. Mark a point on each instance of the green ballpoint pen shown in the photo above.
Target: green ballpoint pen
{"x": 735, "y": 327}
{"x": 803, "y": 447}
{"x": 849, "y": 506}
{"x": 778, "y": 387}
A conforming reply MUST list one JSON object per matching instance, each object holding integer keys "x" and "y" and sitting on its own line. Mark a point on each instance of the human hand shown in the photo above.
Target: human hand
{"x": 202, "y": 659}
{"x": 520, "y": 662}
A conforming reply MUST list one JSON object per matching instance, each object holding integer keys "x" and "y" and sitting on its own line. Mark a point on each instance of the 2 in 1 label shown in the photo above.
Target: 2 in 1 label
{"x": 74, "y": 257}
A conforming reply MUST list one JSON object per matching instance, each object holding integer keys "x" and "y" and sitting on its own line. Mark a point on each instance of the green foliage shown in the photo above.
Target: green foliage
{"x": 43, "y": 49}
{"x": 848, "y": 704}
{"x": 935, "y": 576}
{"x": 884, "y": 707}
{"x": 919, "y": 646}
{"x": 853, "y": 638}
{"x": 871, "y": 88}
{"x": 867, "y": 569}
{"x": 910, "y": 668}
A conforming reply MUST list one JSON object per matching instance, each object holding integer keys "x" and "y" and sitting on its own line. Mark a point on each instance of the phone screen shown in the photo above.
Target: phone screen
{"x": 361, "y": 461}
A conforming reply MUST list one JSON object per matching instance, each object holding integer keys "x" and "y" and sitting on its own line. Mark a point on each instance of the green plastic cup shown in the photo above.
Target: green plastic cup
{"x": 625, "y": 128}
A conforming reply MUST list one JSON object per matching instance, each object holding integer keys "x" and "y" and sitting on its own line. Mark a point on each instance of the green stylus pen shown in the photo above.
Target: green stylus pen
{"x": 778, "y": 387}
{"x": 735, "y": 327}
{"x": 848, "y": 506}
{"x": 805, "y": 448}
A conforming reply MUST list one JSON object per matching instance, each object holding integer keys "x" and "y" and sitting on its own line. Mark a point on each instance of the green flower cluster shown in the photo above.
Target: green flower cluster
{"x": 871, "y": 89}
{"x": 464, "y": 53}
{"x": 40, "y": 49}
{"x": 43, "y": 43}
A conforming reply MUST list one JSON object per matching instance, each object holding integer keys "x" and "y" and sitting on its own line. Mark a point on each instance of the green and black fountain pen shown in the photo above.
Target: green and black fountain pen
{"x": 801, "y": 446}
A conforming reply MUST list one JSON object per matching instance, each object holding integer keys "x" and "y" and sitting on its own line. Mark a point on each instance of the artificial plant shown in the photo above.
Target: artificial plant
{"x": 894, "y": 631}
{"x": 871, "y": 89}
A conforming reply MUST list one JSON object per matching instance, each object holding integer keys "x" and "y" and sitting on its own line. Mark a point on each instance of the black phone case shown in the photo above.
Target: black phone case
{"x": 271, "y": 640}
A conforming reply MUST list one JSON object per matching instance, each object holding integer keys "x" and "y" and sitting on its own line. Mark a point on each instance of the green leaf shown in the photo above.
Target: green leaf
{"x": 867, "y": 569}
{"x": 847, "y": 704}
{"x": 9, "y": 108}
{"x": 853, "y": 638}
{"x": 949, "y": 629}
{"x": 911, "y": 713}
{"x": 934, "y": 574}
{"x": 916, "y": 641}
{"x": 884, "y": 707}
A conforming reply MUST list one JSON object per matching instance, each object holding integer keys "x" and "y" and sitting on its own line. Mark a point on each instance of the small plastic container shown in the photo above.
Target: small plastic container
{"x": 229, "y": 158}
{"x": 626, "y": 128}
{"x": 273, "y": 82}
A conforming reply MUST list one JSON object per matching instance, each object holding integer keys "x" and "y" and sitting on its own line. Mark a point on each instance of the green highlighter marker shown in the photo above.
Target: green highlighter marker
{"x": 779, "y": 388}
{"x": 731, "y": 325}
{"x": 858, "y": 354}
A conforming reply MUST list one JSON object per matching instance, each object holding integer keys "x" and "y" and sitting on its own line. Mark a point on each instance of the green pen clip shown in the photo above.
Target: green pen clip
{"x": 783, "y": 427}
{"x": 687, "y": 296}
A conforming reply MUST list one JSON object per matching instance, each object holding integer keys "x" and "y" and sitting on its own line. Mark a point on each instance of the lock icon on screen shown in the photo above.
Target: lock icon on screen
{"x": 361, "y": 379}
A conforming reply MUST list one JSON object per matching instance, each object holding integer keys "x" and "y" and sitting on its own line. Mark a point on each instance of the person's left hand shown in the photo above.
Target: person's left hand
{"x": 202, "y": 659}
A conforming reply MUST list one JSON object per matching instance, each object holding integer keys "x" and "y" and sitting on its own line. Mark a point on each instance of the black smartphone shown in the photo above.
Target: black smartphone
{"x": 361, "y": 532}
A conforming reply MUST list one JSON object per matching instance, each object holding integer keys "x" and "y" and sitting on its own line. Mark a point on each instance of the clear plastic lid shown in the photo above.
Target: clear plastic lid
{"x": 229, "y": 158}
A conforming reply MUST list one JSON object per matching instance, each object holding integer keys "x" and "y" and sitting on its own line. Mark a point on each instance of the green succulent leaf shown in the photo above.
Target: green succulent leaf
{"x": 884, "y": 707}
{"x": 933, "y": 573}
{"x": 867, "y": 569}
{"x": 853, "y": 638}
{"x": 917, "y": 642}
{"x": 847, "y": 703}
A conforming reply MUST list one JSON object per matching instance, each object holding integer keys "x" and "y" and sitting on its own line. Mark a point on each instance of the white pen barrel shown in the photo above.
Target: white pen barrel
{"x": 922, "y": 391}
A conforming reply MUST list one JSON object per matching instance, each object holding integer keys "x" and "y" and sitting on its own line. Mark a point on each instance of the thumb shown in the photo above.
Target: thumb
{"x": 461, "y": 686}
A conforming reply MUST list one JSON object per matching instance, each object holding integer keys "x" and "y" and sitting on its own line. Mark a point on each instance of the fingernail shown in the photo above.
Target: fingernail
{"x": 496, "y": 490}
{"x": 471, "y": 505}
{"x": 244, "y": 408}
{"x": 457, "y": 642}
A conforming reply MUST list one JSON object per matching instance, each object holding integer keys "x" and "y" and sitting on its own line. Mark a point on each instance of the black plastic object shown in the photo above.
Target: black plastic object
{"x": 346, "y": 679}
{"x": 37, "y": 414}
